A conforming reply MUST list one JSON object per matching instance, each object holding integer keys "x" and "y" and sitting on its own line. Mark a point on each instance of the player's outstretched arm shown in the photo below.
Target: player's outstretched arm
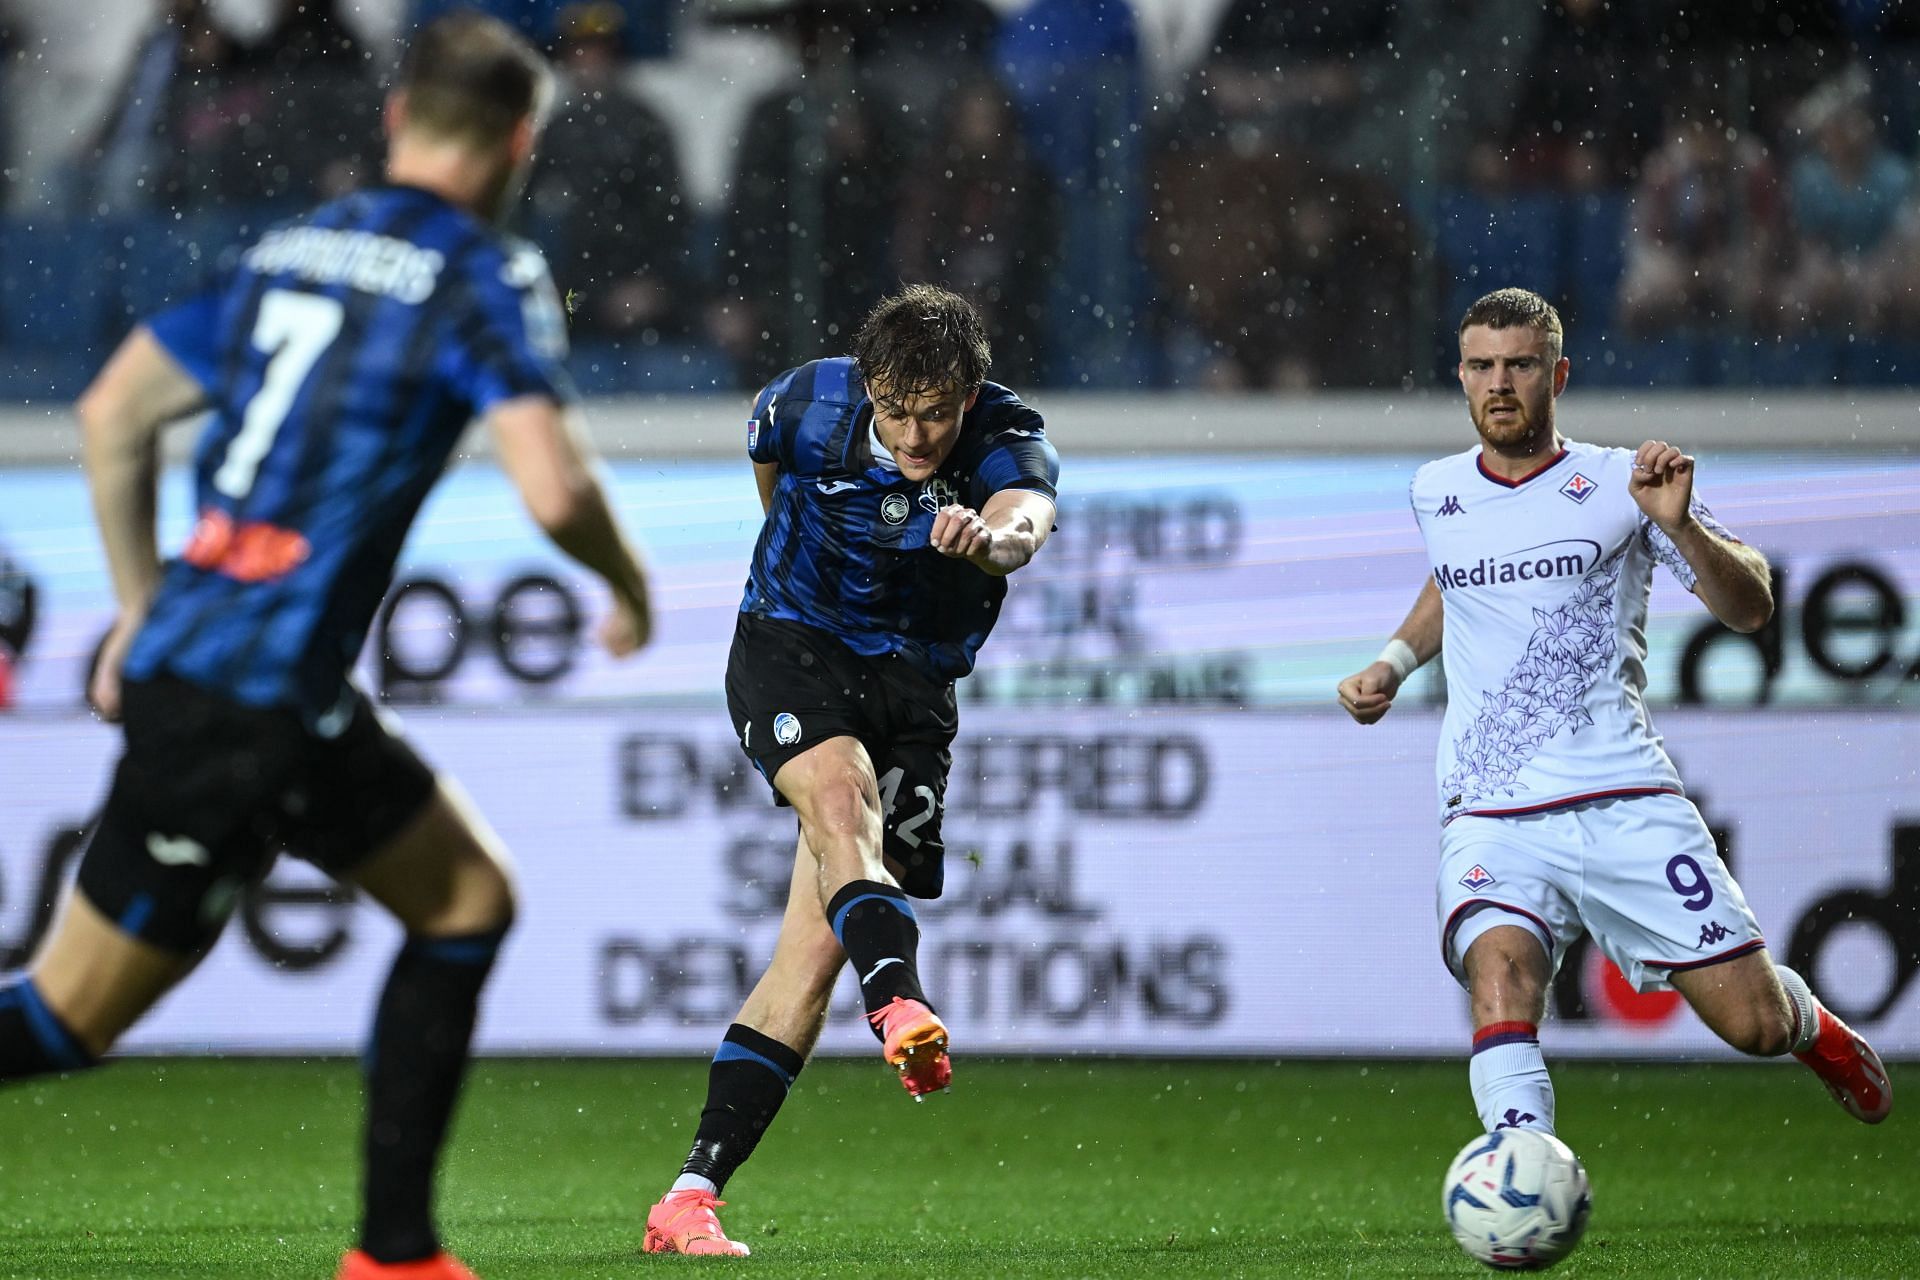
{"x": 1733, "y": 580}
{"x": 1368, "y": 695}
{"x": 1002, "y": 536}
{"x": 139, "y": 390}
{"x": 544, "y": 453}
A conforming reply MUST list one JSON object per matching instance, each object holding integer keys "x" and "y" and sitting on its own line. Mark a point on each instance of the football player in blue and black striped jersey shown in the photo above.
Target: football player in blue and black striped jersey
{"x": 338, "y": 363}
{"x": 901, "y": 488}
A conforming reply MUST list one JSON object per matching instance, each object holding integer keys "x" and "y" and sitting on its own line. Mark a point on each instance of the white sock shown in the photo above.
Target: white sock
{"x": 1806, "y": 1009}
{"x": 1511, "y": 1088}
{"x": 693, "y": 1182}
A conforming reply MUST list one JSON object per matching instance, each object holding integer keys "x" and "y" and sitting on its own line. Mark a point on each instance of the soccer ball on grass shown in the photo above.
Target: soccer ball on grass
{"x": 1517, "y": 1199}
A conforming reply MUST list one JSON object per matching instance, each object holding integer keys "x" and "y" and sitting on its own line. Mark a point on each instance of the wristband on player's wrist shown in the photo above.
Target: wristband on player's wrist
{"x": 1400, "y": 656}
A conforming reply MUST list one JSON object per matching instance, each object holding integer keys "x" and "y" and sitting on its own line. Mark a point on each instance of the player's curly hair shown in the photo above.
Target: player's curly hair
{"x": 921, "y": 341}
{"x": 1505, "y": 307}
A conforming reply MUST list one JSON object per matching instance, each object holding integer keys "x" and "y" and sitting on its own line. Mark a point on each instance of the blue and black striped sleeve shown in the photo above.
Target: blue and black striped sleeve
{"x": 1015, "y": 452}
{"x": 770, "y": 432}
{"x": 189, "y": 332}
{"x": 509, "y": 335}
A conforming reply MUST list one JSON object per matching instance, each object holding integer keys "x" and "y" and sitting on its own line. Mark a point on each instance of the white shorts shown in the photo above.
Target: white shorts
{"x": 1639, "y": 873}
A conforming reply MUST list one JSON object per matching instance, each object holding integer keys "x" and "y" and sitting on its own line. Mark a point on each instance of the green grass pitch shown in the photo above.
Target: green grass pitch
{"x": 186, "y": 1169}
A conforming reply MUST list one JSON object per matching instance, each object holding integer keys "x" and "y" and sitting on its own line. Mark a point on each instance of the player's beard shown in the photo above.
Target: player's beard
{"x": 1518, "y": 435}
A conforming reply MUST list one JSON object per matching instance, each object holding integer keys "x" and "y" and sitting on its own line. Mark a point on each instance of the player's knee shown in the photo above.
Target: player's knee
{"x": 1507, "y": 974}
{"x": 493, "y": 900}
{"x": 845, "y": 807}
{"x": 481, "y": 898}
{"x": 1508, "y": 989}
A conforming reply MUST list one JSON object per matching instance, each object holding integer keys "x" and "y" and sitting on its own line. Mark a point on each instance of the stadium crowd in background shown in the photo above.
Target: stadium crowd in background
{"x": 1137, "y": 192}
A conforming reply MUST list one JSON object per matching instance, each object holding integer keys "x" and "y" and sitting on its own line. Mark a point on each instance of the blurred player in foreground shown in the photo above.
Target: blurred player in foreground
{"x": 901, "y": 488}
{"x": 1560, "y": 810}
{"x": 341, "y": 362}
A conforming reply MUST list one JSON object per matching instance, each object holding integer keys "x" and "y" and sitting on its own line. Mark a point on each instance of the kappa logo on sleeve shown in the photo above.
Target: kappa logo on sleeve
{"x": 1711, "y": 932}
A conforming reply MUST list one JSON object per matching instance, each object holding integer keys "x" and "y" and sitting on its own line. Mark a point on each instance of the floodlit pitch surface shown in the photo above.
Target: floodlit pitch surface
{"x": 1083, "y": 1168}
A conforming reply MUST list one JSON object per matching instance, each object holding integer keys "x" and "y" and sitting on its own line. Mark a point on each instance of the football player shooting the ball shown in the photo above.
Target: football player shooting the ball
{"x": 900, "y": 488}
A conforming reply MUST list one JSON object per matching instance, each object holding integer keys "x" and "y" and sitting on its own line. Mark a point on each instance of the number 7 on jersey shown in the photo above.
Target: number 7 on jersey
{"x": 294, "y": 329}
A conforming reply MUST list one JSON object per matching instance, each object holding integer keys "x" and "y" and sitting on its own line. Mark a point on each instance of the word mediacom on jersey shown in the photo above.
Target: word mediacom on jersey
{"x": 1568, "y": 559}
{"x": 1173, "y": 882}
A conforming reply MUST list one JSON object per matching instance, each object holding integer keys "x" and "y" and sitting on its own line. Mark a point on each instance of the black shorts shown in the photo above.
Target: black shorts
{"x": 209, "y": 790}
{"x": 791, "y": 686}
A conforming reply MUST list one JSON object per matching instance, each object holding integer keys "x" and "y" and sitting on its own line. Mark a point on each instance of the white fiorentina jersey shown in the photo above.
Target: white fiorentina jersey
{"x": 1545, "y": 584}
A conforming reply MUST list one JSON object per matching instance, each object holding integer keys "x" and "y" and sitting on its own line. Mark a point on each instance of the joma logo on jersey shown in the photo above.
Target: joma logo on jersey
{"x": 1568, "y": 558}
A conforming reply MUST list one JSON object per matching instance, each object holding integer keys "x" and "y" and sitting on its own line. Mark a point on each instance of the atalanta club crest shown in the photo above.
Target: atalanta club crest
{"x": 1476, "y": 879}
{"x": 894, "y": 508}
{"x": 1578, "y": 488}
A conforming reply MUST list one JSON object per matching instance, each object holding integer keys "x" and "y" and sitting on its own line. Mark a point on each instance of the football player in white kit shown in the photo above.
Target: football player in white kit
{"x": 1560, "y": 812}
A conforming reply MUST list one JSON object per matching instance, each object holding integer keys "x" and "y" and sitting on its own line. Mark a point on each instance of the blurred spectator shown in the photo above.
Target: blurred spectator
{"x": 806, "y": 241}
{"x": 913, "y": 58}
{"x": 1072, "y": 69}
{"x": 606, "y": 195}
{"x": 176, "y": 137}
{"x": 1760, "y": 56}
{"x": 1293, "y": 72}
{"x": 643, "y": 31}
{"x": 1339, "y": 80}
{"x": 1292, "y": 272}
{"x": 202, "y": 121}
{"x": 1586, "y": 117}
{"x": 976, "y": 216}
{"x": 1847, "y": 188}
{"x": 1886, "y": 35}
{"x": 316, "y": 138}
{"x": 1706, "y": 228}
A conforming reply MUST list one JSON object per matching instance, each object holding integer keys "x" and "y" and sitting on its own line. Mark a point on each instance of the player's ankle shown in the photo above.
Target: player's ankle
{"x": 693, "y": 1182}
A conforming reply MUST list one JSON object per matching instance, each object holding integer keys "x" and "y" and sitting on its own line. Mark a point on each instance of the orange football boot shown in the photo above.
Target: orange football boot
{"x": 685, "y": 1222}
{"x": 916, "y": 1045}
{"x": 358, "y": 1265}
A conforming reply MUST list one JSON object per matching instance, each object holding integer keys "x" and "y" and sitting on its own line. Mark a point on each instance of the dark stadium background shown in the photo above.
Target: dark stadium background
{"x": 1223, "y": 245}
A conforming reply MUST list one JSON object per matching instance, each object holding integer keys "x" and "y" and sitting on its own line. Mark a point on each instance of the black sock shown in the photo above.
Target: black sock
{"x": 414, "y": 1066}
{"x": 877, "y": 930}
{"x": 748, "y": 1081}
{"x": 33, "y": 1040}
